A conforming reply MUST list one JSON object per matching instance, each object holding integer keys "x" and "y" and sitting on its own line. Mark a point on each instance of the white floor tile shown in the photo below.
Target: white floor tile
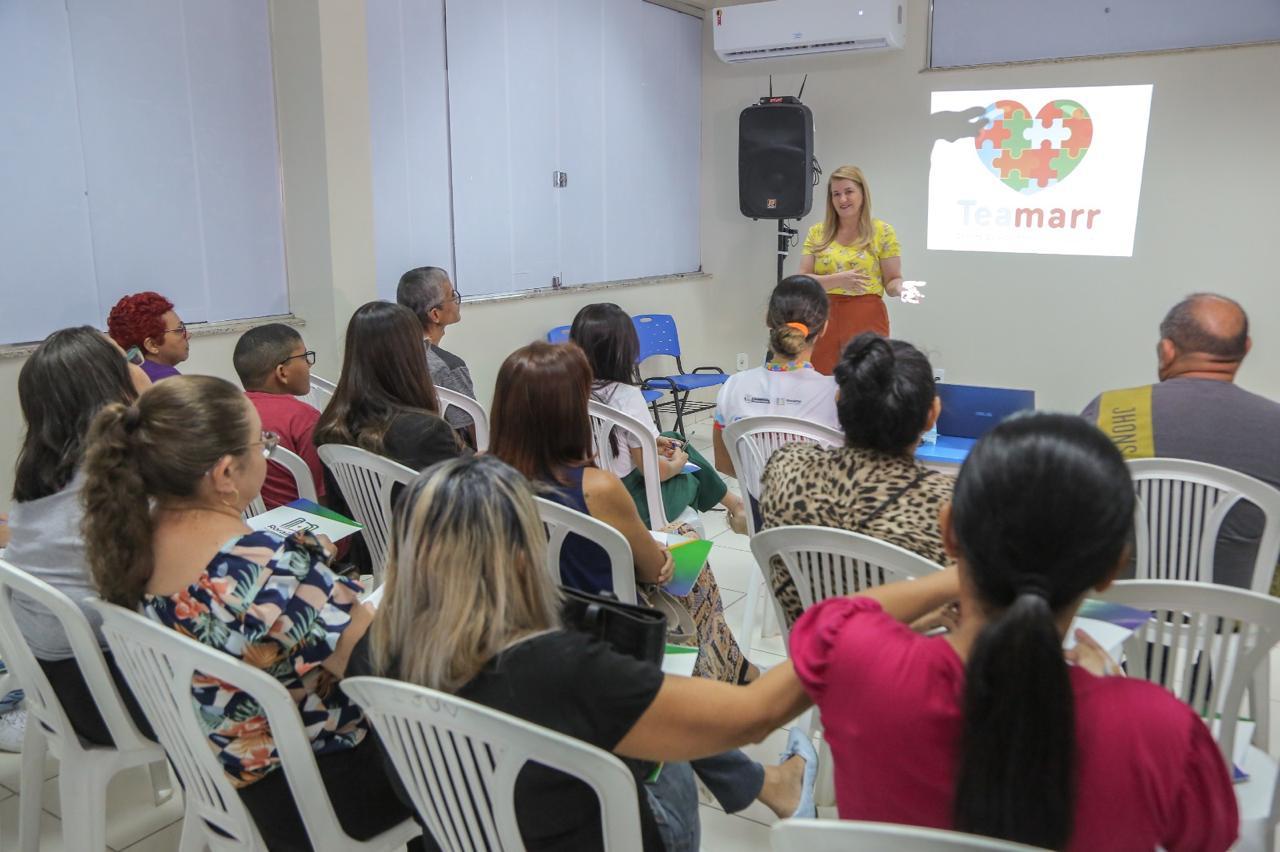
{"x": 50, "y": 828}
{"x": 733, "y": 568}
{"x": 131, "y": 807}
{"x": 724, "y": 833}
{"x": 11, "y": 770}
{"x": 164, "y": 840}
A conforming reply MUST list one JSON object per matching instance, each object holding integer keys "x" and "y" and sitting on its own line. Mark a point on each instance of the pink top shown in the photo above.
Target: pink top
{"x": 891, "y": 701}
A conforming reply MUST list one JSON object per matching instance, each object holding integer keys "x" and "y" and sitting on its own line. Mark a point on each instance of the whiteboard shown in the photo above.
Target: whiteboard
{"x": 983, "y": 32}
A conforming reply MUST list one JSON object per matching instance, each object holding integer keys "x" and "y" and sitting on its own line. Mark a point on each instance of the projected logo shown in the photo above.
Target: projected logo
{"x": 1060, "y": 176}
{"x": 1030, "y": 154}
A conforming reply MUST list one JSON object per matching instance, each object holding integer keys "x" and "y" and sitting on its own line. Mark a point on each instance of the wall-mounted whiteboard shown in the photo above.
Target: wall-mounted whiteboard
{"x": 138, "y": 151}
{"x": 982, "y": 32}
{"x": 606, "y": 91}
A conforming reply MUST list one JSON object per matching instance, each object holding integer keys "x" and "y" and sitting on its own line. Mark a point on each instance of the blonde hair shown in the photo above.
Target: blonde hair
{"x": 832, "y": 223}
{"x": 466, "y": 574}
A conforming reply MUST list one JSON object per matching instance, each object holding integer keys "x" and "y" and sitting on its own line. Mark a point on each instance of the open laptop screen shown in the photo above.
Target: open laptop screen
{"x": 969, "y": 411}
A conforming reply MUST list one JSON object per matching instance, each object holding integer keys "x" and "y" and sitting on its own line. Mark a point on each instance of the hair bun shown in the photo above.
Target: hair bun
{"x": 131, "y": 418}
{"x": 867, "y": 361}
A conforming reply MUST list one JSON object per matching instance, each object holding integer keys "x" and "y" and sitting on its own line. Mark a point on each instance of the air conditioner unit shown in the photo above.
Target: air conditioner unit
{"x": 778, "y": 28}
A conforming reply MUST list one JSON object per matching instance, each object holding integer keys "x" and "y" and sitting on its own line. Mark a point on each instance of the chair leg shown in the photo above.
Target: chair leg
{"x": 679, "y": 400}
{"x": 749, "y": 615}
{"x": 162, "y": 785}
{"x": 192, "y": 839}
{"x": 84, "y": 807}
{"x": 31, "y": 782}
{"x": 824, "y": 793}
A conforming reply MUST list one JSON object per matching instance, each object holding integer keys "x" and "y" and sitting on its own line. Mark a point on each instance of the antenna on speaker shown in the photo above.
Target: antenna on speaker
{"x": 771, "y": 85}
{"x": 802, "y": 82}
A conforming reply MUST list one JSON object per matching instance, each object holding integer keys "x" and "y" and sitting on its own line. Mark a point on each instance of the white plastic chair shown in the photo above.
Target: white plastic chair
{"x": 1205, "y": 644}
{"x": 750, "y": 442}
{"x": 159, "y": 664}
{"x": 321, "y": 392}
{"x": 825, "y": 563}
{"x": 560, "y": 521}
{"x": 827, "y": 835}
{"x": 452, "y": 755}
{"x": 604, "y": 420}
{"x": 298, "y": 469}
{"x": 85, "y": 770}
{"x": 472, "y": 409}
{"x": 366, "y": 481}
{"x": 1181, "y": 507}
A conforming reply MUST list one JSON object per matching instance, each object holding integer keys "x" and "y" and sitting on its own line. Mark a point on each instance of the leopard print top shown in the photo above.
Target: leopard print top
{"x": 810, "y": 485}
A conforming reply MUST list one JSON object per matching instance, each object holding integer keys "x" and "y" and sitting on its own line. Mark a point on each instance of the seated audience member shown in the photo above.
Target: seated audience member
{"x": 274, "y": 366}
{"x": 166, "y": 481}
{"x": 787, "y": 385}
{"x": 385, "y": 401}
{"x": 873, "y": 485}
{"x": 466, "y": 578}
{"x": 988, "y": 729}
{"x": 608, "y": 337}
{"x": 72, "y": 375}
{"x": 1197, "y": 411}
{"x": 541, "y": 428}
{"x": 428, "y": 292}
{"x": 147, "y": 323}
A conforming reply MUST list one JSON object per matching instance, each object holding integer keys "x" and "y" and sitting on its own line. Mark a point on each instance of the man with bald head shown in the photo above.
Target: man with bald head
{"x": 1197, "y": 412}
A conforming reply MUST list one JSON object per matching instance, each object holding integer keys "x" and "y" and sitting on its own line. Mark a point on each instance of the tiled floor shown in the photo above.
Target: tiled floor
{"x": 135, "y": 824}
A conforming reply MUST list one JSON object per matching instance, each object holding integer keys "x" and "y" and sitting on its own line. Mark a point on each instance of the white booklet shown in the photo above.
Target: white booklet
{"x": 304, "y": 516}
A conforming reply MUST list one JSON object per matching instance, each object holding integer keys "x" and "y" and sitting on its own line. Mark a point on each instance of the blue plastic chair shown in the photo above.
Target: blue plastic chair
{"x": 560, "y": 334}
{"x": 658, "y": 336}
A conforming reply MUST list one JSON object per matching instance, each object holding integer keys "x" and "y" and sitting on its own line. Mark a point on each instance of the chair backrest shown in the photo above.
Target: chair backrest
{"x": 459, "y": 761}
{"x": 367, "y": 480}
{"x": 160, "y": 664}
{"x": 825, "y": 563}
{"x": 1181, "y": 507}
{"x": 473, "y": 409}
{"x": 605, "y": 420}
{"x": 752, "y": 440}
{"x": 658, "y": 335}
{"x": 298, "y": 469}
{"x": 829, "y": 835}
{"x": 559, "y": 334}
{"x": 560, "y": 521}
{"x": 321, "y": 391}
{"x": 42, "y": 702}
{"x": 1205, "y": 643}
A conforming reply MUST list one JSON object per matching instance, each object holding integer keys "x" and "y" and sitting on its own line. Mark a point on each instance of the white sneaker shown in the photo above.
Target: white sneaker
{"x": 13, "y": 728}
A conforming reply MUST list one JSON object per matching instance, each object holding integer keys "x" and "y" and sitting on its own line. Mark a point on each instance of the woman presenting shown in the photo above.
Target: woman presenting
{"x": 857, "y": 260}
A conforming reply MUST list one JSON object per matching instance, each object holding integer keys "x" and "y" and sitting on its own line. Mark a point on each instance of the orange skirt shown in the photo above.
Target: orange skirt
{"x": 850, "y": 316}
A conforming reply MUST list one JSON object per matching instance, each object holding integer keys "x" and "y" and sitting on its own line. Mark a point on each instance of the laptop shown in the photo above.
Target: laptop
{"x": 969, "y": 411}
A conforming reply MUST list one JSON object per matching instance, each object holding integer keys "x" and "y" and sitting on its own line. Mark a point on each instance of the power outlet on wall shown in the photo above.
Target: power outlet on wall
{"x": 741, "y": 362}
{"x": 939, "y": 374}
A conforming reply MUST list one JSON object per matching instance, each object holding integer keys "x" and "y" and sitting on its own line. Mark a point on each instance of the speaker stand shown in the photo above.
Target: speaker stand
{"x": 786, "y": 234}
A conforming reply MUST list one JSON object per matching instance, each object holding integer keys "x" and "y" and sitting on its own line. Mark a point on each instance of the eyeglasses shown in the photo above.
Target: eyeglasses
{"x": 310, "y": 355}
{"x": 181, "y": 329}
{"x": 456, "y": 298}
{"x": 269, "y": 442}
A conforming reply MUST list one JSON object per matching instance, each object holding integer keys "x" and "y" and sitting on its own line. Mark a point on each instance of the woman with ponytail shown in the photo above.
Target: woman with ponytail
{"x": 167, "y": 480}
{"x": 787, "y": 384}
{"x": 873, "y": 484}
{"x": 989, "y": 729}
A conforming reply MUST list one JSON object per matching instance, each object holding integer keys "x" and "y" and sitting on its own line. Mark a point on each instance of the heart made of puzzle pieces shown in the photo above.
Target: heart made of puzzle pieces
{"x": 1030, "y": 154}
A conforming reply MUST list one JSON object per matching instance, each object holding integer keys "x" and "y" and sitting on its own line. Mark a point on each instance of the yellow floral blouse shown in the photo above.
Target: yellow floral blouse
{"x": 838, "y": 257}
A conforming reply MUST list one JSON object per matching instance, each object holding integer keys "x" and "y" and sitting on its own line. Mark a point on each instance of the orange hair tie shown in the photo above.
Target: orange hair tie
{"x": 804, "y": 329}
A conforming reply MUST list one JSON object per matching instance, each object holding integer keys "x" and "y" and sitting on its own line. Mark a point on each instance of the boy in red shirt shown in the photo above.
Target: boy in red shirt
{"x": 274, "y": 366}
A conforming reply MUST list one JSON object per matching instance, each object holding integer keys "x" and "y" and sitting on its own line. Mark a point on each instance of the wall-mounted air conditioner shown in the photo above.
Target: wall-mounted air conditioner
{"x": 778, "y": 28}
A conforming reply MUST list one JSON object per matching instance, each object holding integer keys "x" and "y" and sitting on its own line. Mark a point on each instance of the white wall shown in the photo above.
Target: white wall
{"x": 1065, "y": 326}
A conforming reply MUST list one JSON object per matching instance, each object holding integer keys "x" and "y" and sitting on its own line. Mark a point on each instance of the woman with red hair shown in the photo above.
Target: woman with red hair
{"x": 147, "y": 323}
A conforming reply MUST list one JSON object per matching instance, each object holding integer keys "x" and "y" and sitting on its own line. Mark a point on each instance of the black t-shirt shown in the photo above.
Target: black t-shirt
{"x": 573, "y": 684}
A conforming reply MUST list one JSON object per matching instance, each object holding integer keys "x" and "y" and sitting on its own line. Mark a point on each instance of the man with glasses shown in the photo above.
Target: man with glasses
{"x": 274, "y": 366}
{"x": 147, "y": 328}
{"x": 428, "y": 292}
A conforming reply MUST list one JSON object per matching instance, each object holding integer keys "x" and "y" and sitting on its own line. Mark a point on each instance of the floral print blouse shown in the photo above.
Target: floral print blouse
{"x": 275, "y": 604}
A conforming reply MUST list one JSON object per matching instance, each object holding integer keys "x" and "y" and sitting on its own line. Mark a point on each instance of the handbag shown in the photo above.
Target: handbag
{"x": 636, "y": 631}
